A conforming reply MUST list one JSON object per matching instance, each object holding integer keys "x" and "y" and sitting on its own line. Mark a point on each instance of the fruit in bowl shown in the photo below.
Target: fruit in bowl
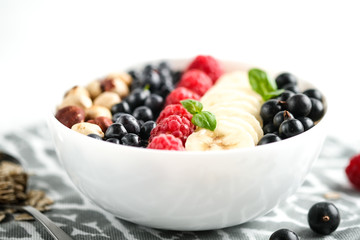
{"x": 173, "y": 153}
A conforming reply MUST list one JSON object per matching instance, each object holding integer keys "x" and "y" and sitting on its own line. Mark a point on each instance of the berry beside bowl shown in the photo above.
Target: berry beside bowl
{"x": 185, "y": 189}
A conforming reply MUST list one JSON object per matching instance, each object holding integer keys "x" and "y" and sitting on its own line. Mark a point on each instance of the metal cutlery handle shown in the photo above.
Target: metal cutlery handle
{"x": 50, "y": 226}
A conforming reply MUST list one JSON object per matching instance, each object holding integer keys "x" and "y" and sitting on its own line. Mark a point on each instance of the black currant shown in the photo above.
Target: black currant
{"x": 176, "y": 77}
{"x": 314, "y": 93}
{"x": 290, "y": 128}
{"x": 137, "y": 97}
{"x": 129, "y": 122}
{"x": 280, "y": 117}
{"x": 146, "y": 128}
{"x": 292, "y": 88}
{"x": 117, "y": 115}
{"x": 269, "y": 138}
{"x": 317, "y": 110}
{"x": 122, "y": 106}
{"x": 269, "y": 128}
{"x": 269, "y": 109}
{"x": 152, "y": 78}
{"x": 113, "y": 140}
{"x": 115, "y": 130}
{"x": 323, "y": 218}
{"x": 285, "y": 78}
{"x": 93, "y": 135}
{"x": 285, "y": 95}
{"x": 155, "y": 102}
{"x": 299, "y": 105}
{"x": 306, "y": 122}
{"x": 143, "y": 113}
{"x": 284, "y": 234}
{"x": 130, "y": 139}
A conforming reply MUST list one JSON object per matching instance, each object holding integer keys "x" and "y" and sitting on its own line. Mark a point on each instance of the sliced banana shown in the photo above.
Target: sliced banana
{"x": 236, "y": 112}
{"x": 226, "y": 135}
{"x": 246, "y": 106}
{"x": 225, "y": 95}
{"x": 236, "y": 77}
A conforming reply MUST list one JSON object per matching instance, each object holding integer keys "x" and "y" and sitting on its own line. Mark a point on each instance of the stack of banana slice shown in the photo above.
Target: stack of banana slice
{"x": 237, "y": 110}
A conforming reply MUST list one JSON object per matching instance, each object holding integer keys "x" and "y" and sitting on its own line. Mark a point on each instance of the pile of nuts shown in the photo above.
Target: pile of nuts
{"x": 87, "y": 110}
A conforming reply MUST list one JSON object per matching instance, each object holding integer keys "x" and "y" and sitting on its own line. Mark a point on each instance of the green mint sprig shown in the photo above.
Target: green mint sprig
{"x": 263, "y": 85}
{"x": 200, "y": 118}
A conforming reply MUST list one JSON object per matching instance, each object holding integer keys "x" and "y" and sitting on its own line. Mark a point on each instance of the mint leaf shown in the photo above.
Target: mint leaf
{"x": 200, "y": 118}
{"x": 204, "y": 119}
{"x": 192, "y": 106}
{"x": 262, "y": 84}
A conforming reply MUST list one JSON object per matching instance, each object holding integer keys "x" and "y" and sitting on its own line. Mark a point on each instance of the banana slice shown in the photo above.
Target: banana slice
{"x": 241, "y": 122}
{"x": 234, "y": 78}
{"x": 236, "y": 112}
{"x": 246, "y": 106}
{"x": 226, "y": 135}
{"x": 226, "y": 95}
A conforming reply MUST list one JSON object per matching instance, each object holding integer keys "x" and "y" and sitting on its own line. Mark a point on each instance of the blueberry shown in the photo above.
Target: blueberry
{"x": 317, "y": 110}
{"x": 130, "y": 123}
{"x": 113, "y": 140}
{"x": 137, "y": 97}
{"x": 117, "y": 115}
{"x": 134, "y": 74}
{"x": 93, "y": 135}
{"x": 314, "y": 93}
{"x": 146, "y": 128}
{"x": 291, "y": 87}
{"x": 122, "y": 106}
{"x": 269, "y": 128}
{"x": 165, "y": 72}
{"x": 176, "y": 77}
{"x": 284, "y": 234}
{"x": 290, "y": 128}
{"x": 143, "y": 113}
{"x": 166, "y": 87}
{"x": 130, "y": 139}
{"x": 269, "y": 138}
{"x": 306, "y": 122}
{"x": 155, "y": 102}
{"x": 284, "y": 79}
{"x": 323, "y": 218}
{"x": 285, "y": 95}
{"x": 152, "y": 78}
{"x": 280, "y": 117}
{"x": 299, "y": 105}
{"x": 269, "y": 109}
{"x": 115, "y": 130}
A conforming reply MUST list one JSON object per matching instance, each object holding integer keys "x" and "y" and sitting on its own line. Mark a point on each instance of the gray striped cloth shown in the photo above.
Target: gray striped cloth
{"x": 82, "y": 220}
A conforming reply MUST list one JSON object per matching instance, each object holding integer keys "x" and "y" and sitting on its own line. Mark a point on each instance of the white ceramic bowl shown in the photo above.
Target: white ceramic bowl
{"x": 187, "y": 190}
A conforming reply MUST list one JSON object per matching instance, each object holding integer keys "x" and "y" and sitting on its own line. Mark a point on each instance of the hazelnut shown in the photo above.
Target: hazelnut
{"x": 94, "y": 89}
{"x": 107, "y": 99}
{"x": 102, "y": 122}
{"x": 115, "y": 85}
{"x": 70, "y": 115}
{"x": 87, "y": 128}
{"x": 78, "y": 90}
{"x": 81, "y": 101}
{"x": 123, "y": 76}
{"x": 96, "y": 111}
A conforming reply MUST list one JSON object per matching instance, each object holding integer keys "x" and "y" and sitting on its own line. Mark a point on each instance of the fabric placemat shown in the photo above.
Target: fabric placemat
{"x": 82, "y": 220}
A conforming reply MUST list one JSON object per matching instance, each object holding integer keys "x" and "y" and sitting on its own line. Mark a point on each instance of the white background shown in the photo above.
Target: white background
{"x": 47, "y": 46}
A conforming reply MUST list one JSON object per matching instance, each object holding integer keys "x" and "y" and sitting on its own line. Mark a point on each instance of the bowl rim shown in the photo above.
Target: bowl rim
{"x": 243, "y": 66}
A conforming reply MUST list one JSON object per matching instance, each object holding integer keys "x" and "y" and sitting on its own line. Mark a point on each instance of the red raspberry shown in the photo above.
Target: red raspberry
{"x": 174, "y": 109}
{"x": 353, "y": 171}
{"x": 207, "y": 64}
{"x": 196, "y": 80}
{"x": 175, "y": 125}
{"x": 179, "y": 94}
{"x": 166, "y": 142}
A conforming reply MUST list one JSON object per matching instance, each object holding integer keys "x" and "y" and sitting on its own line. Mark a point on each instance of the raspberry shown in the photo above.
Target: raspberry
{"x": 179, "y": 94}
{"x": 175, "y": 125}
{"x": 174, "y": 109}
{"x": 353, "y": 171}
{"x": 196, "y": 80}
{"x": 207, "y": 64}
{"x": 166, "y": 142}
